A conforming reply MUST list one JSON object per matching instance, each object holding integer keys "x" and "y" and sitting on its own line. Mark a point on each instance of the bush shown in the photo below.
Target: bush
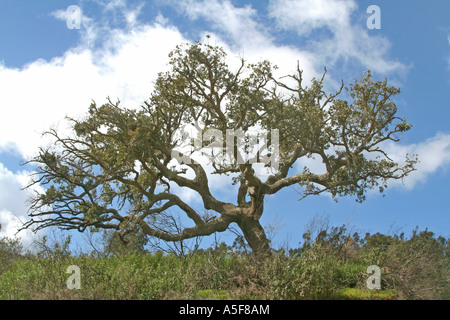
{"x": 359, "y": 294}
{"x": 331, "y": 265}
{"x": 10, "y": 251}
{"x": 418, "y": 267}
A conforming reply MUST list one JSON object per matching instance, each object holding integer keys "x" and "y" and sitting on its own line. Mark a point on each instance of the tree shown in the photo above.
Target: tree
{"x": 117, "y": 168}
{"x": 134, "y": 242}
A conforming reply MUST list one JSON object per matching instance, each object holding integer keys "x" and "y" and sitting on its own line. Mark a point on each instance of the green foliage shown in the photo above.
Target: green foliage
{"x": 133, "y": 242}
{"x": 115, "y": 170}
{"x": 331, "y": 264}
{"x": 358, "y": 294}
{"x": 10, "y": 251}
{"x": 210, "y": 294}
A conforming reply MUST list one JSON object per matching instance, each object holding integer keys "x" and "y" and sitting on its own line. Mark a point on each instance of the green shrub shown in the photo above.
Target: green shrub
{"x": 10, "y": 251}
{"x": 332, "y": 266}
{"x": 211, "y": 294}
{"x": 359, "y": 294}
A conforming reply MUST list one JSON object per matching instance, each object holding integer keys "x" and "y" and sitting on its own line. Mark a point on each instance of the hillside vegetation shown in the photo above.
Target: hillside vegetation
{"x": 330, "y": 264}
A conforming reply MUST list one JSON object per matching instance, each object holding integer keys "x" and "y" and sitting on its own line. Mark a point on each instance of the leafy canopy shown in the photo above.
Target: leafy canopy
{"x": 116, "y": 169}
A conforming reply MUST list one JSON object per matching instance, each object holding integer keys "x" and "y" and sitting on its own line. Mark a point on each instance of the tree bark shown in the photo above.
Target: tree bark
{"x": 255, "y": 235}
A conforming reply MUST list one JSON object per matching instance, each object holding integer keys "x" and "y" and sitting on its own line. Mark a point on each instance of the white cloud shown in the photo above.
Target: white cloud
{"x": 160, "y": 19}
{"x": 13, "y": 208}
{"x": 243, "y": 36}
{"x": 304, "y": 16}
{"x": 433, "y": 154}
{"x": 42, "y": 93}
{"x": 74, "y": 18}
{"x": 343, "y": 39}
{"x": 314, "y": 165}
{"x": 238, "y": 24}
{"x": 114, "y": 4}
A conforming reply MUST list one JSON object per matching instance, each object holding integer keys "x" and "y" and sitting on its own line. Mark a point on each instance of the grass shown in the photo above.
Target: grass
{"x": 359, "y": 294}
{"x": 156, "y": 276}
{"x": 211, "y": 294}
{"x": 333, "y": 266}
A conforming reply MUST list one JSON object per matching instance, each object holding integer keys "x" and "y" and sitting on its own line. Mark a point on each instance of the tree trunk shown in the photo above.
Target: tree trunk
{"x": 255, "y": 236}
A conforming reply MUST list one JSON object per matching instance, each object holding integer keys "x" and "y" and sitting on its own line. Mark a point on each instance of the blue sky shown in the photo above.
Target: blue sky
{"x": 48, "y": 71}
